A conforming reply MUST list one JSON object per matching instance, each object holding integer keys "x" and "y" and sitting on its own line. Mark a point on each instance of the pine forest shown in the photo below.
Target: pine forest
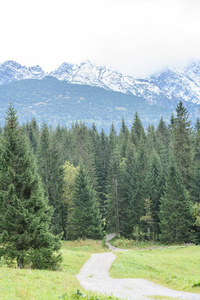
{"x": 77, "y": 183}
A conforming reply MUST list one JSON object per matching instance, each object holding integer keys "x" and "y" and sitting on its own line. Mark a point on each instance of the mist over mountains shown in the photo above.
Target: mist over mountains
{"x": 94, "y": 94}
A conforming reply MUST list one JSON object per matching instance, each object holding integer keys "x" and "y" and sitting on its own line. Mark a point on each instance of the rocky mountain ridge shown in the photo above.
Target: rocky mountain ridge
{"x": 11, "y": 71}
{"x": 164, "y": 89}
{"x": 54, "y": 101}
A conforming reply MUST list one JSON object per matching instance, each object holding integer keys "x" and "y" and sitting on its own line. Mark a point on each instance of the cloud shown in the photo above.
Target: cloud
{"x": 136, "y": 37}
{"x": 150, "y": 35}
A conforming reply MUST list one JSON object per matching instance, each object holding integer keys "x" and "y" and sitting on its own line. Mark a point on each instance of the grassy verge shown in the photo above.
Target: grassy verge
{"x": 42, "y": 285}
{"x": 132, "y": 244}
{"x": 175, "y": 267}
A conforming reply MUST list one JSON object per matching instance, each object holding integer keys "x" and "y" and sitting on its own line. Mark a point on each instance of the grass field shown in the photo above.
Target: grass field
{"x": 38, "y": 284}
{"x": 177, "y": 267}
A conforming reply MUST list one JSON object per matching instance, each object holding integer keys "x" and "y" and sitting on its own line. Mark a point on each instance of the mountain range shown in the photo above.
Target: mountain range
{"x": 91, "y": 93}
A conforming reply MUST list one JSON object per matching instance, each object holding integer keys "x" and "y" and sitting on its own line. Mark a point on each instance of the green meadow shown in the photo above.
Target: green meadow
{"x": 38, "y": 284}
{"x": 176, "y": 267}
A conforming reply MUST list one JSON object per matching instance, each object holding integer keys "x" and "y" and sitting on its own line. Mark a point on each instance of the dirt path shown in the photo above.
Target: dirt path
{"x": 95, "y": 276}
{"x": 112, "y": 248}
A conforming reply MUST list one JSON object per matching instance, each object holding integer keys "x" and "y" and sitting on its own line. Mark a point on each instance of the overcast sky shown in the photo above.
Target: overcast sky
{"x": 135, "y": 37}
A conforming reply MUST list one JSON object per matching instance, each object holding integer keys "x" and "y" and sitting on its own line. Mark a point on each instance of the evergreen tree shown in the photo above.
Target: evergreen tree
{"x": 162, "y": 144}
{"x": 137, "y": 130}
{"x": 129, "y": 183}
{"x": 102, "y": 157}
{"x": 84, "y": 151}
{"x": 162, "y": 130}
{"x": 195, "y": 182}
{"x": 85, "y": 220}
{"x": 151, "y": 139}
{"x": 197, "y": 124}
{"x": 117, "y": 202}
{"x": 69, "y": 172}
{"x": 112, "y": 137}
{"x": 114, "y": 192}
{"x": 25, "y": 214}
{"x": 123, "y": 138}
{"x": 152, "y": 188}
{"x": 181, "y": 143}
{"x": 175, "y": 216}
{"x": 172, "y": 121}
{"x": 48, "y": 158}
{"x": 196, "y": 214}
{"x": 44, "y": 157}
{"x": 55, "y": 189}
{"x": 148, "y": 219}
{"x": 33, "y": 134}
{"x": 136, "y": 189}
{"x": 195, "y": 178}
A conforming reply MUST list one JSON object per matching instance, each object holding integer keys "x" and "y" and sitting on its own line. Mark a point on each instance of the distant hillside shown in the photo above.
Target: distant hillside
{"x": 52, "y": 101}
{"x": 173, "y": 84}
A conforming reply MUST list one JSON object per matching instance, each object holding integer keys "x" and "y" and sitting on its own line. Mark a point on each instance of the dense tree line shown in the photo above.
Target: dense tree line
{"x": 141, "y": 183}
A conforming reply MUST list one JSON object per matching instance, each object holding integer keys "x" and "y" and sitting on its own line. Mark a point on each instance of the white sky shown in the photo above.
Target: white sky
{"x": 135, "y": 37}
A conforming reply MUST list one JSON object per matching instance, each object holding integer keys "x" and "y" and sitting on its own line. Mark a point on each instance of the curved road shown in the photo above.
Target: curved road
{"x": 95, "y": 276}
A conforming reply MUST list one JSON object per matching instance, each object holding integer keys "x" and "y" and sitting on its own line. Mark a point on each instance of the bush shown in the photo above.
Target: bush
{"x": 44, "y": 258}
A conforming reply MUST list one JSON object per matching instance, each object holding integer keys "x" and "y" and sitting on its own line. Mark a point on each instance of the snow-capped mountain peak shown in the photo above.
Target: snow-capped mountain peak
{"x": 171, "y": 85}
{"x": 181, "y": 83}
{"x": 12, "y": 71}
{"x": 62, "y": 73}
{"x": 36, "y": 70}
{"x": 89, "y": 74}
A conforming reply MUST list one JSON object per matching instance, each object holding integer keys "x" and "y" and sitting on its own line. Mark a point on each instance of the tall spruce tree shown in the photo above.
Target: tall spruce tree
{"x": 195, "y": 182}
{"x": 85, "y": 151}
{"x": 163, "y": 132}
{"x": 69, "y": 172}
{"x": 44, "y": 157}
{"x": 116, "y": 207}
{"x": 175, "y": 216}
{"x": 195, "y": 179}
{"x": 102, "y": 157}
{"x": 85, "y": 220}
{"x": 112, "y": 137}
{"x": 181, "y": 143}
{"x": 136, "y": 189}
{"x": 50, "y": 162}
{"x": 25, "y": 214}
{"x": 153, "y": 186}
{"x": 129, "y": 178}
{"x": 123, "y": 138}
{"x": 162, "y": 144}
{"x": 32, "y": 131}
{"x": 137, "y": 130}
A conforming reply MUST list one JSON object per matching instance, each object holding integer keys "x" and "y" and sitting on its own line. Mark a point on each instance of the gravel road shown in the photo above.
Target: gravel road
{"x": 95, "y": 276}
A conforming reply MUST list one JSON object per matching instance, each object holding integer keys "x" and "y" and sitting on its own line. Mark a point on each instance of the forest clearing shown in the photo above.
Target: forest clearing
{"x": 175, "y": 267}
